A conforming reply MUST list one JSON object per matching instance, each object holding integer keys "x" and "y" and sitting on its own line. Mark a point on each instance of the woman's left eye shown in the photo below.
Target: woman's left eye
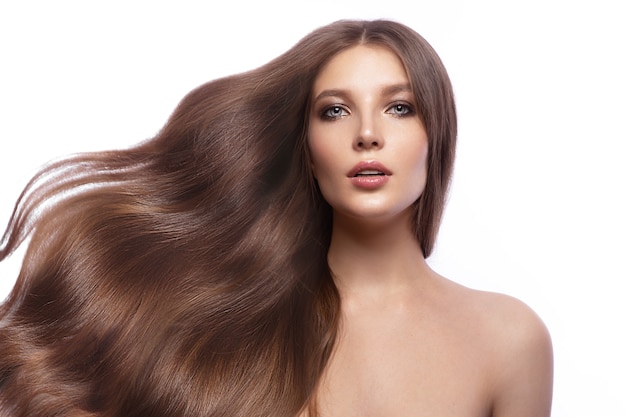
{"x": 400, "y": 109}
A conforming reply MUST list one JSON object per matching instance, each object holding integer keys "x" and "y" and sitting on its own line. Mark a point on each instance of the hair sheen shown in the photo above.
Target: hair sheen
{"x": 187, "y": 276}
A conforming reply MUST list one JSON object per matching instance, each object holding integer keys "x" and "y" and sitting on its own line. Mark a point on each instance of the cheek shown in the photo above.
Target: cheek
{"x": 320, "y": 153}
{"x": 415, "y": 161}
{"x": 409, "y": 153}
{"x": 323, "y": 166}
{"x": 319, "y": 162}
{"x": 422, "y": 158}
{"x": 422, "y": 169}
{"x": 418, "y": 156}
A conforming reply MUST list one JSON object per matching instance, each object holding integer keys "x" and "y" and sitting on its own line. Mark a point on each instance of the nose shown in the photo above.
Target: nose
{"x": 369, "y": 135}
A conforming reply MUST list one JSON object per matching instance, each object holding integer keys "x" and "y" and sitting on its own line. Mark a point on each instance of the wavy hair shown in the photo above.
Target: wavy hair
{"x": 187, "y": 276}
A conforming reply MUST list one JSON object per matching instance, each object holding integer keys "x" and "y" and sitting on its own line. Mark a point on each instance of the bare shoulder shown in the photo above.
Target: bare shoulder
{"x": 508, "y": 320}
{"x": 520, "y": 350}
{"x": 511, "y": 322}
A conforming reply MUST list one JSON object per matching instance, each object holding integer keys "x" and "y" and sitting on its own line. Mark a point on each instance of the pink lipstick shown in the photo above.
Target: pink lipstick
{"x": 369, "y": 175}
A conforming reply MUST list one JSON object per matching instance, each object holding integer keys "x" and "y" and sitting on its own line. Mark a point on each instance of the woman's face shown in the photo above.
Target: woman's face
{"x": 368, "y": 145}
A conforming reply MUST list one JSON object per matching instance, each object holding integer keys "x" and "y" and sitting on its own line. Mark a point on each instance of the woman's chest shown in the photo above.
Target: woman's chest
{"x": 405, "y": 372}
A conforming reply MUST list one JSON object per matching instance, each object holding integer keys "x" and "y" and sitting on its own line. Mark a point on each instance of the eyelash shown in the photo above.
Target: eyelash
{"x": 325, "y": 112}
{"x": 406, "y": 110}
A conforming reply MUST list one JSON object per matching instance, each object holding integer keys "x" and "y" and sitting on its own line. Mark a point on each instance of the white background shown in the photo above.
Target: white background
{"x": 537, "y": 206}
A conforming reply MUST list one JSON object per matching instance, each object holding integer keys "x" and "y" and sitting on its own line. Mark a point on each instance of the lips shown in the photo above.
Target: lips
{"x": 369, "y": 175}
{"x": 368, "y": 169}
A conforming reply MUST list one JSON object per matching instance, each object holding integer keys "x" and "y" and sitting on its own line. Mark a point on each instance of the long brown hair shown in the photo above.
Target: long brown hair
{"x": 187, "y": 276}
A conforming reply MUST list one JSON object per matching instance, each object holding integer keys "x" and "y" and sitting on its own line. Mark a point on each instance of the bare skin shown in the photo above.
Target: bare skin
{"x": 411, "y": 343}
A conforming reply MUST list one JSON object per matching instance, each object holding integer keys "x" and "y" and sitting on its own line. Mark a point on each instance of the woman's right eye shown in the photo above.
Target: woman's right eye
{"x": 334, "y": 112}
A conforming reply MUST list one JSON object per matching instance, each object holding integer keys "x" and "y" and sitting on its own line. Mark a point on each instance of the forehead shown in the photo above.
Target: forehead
{"x": 361, "y": 66}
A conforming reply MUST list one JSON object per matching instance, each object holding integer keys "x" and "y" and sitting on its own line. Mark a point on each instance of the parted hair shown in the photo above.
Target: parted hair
{"x": 187, "y": 275}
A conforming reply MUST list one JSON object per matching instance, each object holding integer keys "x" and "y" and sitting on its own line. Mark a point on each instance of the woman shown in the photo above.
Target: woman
{"x": 264, "y": 255}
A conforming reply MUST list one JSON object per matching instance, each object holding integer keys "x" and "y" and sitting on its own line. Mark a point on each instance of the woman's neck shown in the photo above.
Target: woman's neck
{"x": 375, "y": 259}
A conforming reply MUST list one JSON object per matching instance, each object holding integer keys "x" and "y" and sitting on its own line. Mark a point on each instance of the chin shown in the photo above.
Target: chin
{"x": 375, "y": 214}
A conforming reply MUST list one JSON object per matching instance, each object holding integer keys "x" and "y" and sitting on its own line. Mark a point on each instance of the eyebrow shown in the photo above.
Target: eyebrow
{"x": 387, "y": 91}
